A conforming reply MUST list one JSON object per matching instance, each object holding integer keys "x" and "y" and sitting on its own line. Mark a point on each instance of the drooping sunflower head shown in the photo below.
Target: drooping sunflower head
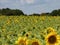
{"x": 34, "y": 42}
{"x": 52, "y": 39}
{"x": 21, "y": 41}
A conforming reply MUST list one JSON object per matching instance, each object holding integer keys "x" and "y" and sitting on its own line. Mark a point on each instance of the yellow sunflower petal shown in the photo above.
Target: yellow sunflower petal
{"x": 21, "y": 41}
{"x": 50, "y": 30}
{"x": 34, "y": 42}
{"x": 52, "y": 39}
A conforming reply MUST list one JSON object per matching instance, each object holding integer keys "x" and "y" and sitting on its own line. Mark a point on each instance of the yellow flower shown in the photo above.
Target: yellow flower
{"x": 43, "y": 18}
{"x": 8, "y": 22}
{"x": 49, "y": 30}
{"x": 6, "y": 44}
{"x": 21, "y": 41}
{"x": 28, "y": 34}
{"x": 16, "y": 21}
{"x": 52, "y": 39}
{"x": 34, "y": 42}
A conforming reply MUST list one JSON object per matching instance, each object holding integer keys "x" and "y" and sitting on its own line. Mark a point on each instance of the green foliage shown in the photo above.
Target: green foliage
{"x": 12, "y": 27}
{"x": 55, "y": 12}
{"x": 9, "y": 12}
{"x": 35, "y": 14}
{"x": 17, "y": 12}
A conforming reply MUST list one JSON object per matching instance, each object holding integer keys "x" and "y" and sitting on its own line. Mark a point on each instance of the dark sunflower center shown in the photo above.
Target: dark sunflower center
{"x": 22, "y": 42}
{"x": 35, "y": 43}
{"x": 52, "y": 39}
{"x": 27, "y": 35}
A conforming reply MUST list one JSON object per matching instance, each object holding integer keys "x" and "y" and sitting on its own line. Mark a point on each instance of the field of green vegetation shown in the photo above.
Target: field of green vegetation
{"x": 12, "y": 27}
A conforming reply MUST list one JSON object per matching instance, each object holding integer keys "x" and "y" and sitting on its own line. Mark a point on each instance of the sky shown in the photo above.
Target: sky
{"x": 31, "y": 6}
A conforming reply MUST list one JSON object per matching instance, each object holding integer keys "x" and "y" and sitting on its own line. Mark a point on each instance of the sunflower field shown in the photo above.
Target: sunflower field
{"x": 29, "y": 30}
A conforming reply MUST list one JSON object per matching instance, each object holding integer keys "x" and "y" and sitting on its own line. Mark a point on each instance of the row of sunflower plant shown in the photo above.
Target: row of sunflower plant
{"x": 50, "y": 36}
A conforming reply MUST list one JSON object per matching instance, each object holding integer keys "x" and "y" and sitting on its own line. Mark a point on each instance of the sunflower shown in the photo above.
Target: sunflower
{"x": 49, "y": 30}
{"x": 34, "y": 42}
{"x": 27, "y": 34}
{"x": 52, "y": 39}
{"x": 21, "y": 41}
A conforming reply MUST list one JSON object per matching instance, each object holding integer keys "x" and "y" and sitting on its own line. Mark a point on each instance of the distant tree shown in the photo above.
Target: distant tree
{"x": 0, "y": 11}
{"x": 9, "y": 12}
{"x": 19, "y": 12}
{"x": 54, "y": 13}
{"x": 45, "y": 14}
{"x": 34, "y": 14}
{"x": 59, "y": 12}
{"x": 5, "y": 11}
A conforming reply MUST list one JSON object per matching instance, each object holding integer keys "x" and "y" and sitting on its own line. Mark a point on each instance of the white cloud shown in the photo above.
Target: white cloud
{"x": 29, "y": 1}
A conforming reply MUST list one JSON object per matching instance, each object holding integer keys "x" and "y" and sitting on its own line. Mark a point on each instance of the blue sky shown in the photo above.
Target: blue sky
{"x": 31, "y": 6}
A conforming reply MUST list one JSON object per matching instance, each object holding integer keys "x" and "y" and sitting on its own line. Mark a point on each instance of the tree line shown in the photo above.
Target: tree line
{"x": 9, "y": 12}
{"x": 53, "y": 13}
{"x": 17, "y": 12}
